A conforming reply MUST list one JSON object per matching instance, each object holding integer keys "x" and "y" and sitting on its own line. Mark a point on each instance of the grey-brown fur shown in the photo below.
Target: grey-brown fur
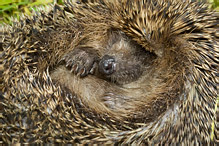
{"x": 171, "y": 102}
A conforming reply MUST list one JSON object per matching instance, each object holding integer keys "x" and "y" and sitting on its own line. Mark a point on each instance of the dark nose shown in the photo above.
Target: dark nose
{"x": 107, "y": 65}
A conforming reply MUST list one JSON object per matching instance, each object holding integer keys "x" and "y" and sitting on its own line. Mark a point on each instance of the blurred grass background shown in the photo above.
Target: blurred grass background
{"x": 13, "y": 8}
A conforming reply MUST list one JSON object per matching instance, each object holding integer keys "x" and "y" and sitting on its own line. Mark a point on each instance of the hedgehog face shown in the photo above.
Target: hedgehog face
{"x": 120, "y": 60}
{"x": 123, "y": 61}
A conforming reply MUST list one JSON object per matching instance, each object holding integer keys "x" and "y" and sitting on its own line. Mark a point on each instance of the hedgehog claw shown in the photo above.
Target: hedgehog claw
{"x": 81, "y": 62}
{"x": 69, "y": 63}
{"x": 83, "y": 72}
{"x": 92, "y": 70}
{"x": 73, "y": 68}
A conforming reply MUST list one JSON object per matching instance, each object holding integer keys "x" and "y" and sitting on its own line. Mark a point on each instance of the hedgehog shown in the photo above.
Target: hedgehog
{"x": 111, "y": 72}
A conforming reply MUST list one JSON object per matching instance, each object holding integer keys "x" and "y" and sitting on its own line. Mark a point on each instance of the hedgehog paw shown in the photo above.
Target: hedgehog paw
{"x": 81, "y": 62}
{"x": 114, "y": 101}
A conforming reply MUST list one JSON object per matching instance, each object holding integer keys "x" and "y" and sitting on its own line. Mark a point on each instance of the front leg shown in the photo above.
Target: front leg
{"x": 81, "y": 61}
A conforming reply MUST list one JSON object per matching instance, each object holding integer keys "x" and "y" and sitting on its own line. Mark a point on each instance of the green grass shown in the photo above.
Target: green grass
{"x": 215, "y": 4}
{"x": 13, "y": 8}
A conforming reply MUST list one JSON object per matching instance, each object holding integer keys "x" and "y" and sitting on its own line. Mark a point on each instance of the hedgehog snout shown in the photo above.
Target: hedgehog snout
{"x": 107, "y": 65}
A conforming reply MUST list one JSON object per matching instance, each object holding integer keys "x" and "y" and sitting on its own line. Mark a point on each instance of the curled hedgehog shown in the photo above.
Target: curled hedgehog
{"x": 111, "y": 72}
